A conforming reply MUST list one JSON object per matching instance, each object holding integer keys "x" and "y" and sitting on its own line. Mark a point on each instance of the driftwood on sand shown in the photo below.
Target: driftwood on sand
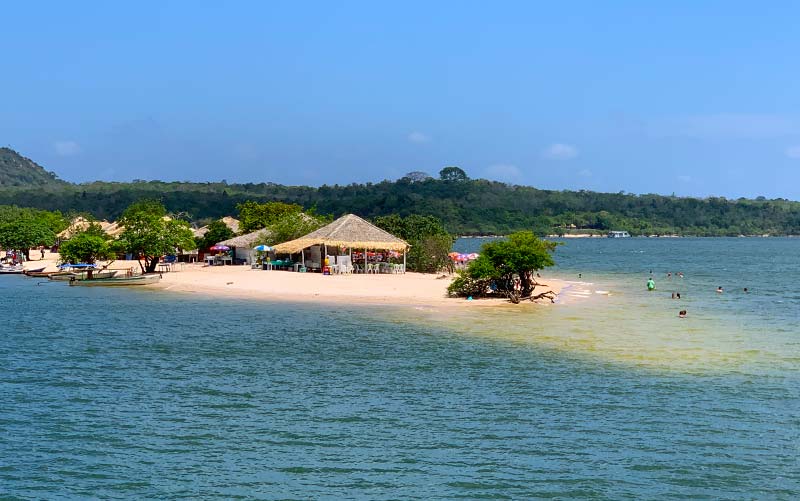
{"x": 516, "y": 296}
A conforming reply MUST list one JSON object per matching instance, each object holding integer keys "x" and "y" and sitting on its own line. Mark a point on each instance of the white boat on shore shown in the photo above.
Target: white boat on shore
{"x": 618, "y": 234}
{"x": 11, "y": 269}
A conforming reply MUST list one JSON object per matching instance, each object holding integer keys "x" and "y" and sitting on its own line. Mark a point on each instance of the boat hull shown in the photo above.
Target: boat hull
{"x": 69, "y": 275}
{"x": 117, "y": 282}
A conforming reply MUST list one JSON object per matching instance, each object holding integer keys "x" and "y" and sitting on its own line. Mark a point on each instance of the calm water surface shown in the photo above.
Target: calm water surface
{"x": 144, "y": 394}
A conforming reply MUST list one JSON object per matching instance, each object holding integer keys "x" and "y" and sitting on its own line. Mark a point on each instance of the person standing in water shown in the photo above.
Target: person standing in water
{"x": 651, "y": 284}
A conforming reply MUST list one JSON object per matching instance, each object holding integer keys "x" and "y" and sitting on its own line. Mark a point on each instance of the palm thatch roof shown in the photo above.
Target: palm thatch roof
{"x": 80, "y": 224}
{"x": 347, "y": 231}
{"x": 230, "y": 222}
{"x": 250, "y": 240}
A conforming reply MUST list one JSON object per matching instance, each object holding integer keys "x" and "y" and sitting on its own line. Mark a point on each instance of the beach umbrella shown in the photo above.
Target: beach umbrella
{"x": 262, "y": 248}
{"x": 219, "y": 248}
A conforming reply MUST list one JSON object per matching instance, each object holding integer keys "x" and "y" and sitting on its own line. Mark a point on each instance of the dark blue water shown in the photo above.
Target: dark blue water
{"x": 137, "y": 394}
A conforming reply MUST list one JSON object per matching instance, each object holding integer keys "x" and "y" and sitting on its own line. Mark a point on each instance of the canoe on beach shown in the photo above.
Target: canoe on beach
{"x": 117, "y": 281}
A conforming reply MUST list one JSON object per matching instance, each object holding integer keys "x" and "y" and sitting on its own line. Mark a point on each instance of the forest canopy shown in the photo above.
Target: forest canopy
{"x": 465, "y": 206}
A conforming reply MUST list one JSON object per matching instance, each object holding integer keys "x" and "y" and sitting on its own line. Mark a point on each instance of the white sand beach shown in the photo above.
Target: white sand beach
{"x": 400, "y": 289}
{"x": 242, "y": 281}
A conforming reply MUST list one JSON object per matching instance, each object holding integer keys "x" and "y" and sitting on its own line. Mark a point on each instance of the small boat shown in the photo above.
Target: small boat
{"x": 118, "y": 281}
{"x": 618, "y": 234}
{"x": 12, "y": 270}
{"x": 38, "y": 272}
{"x": 65, "y": 276}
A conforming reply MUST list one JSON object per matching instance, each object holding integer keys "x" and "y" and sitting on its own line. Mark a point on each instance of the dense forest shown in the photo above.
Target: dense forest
{"x": 465, "y": 206}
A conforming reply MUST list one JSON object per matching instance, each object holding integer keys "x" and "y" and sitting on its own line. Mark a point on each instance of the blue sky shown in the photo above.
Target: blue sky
{"x": 692, "y": 98}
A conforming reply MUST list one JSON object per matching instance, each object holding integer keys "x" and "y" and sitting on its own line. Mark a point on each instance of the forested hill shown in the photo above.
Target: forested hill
{"x": 16, "y": 170}
{"x": 465, "y": 206}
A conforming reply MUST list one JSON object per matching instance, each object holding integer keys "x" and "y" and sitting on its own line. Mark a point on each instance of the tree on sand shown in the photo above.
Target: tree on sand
{"x": 87, "y": 246}
{"x": 509, "y": 265}
{"x": 149, "y": 233}
{"x": 24, "y": 234}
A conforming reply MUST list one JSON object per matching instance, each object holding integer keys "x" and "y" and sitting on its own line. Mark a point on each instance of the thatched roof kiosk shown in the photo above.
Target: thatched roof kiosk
{"x": 243, "y": 244}
{"x": 230, "y": 222}
{"x": 348, "y": 231}
{"x": 249, "y": 240}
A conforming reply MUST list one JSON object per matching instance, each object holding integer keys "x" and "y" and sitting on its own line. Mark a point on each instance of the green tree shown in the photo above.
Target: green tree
{"x": 255, "y": 216}
{"x": 149, "y": 233}
{"x": 291, "y": 226}
{"x": 23, "y": 234}
{"x": 500, "y": 262}
{"x": 430, "y": 242}
{"x": 453, "y": 174}
{"x": 87, "y": 246}
{"x": 217, "y": 232}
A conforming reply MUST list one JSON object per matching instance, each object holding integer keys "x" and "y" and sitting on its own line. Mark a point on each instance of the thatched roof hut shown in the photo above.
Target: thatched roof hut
{"x": 348, "y": 231}
{"x": 249, "y": 241}
{"x": 80, "y": 224}
{"x": 230, "y": 222}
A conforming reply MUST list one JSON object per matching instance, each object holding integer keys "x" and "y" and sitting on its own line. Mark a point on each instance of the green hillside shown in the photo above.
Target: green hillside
{"x": 16, "y": 170}
{"x": 465, "y": 206}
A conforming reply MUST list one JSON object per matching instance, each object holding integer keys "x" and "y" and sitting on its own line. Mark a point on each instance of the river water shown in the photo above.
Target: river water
{"x": 149, "y": 394}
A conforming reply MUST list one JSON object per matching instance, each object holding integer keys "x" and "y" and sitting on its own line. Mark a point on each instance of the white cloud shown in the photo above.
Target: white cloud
{"x": 66, "y": 148}
{"x": 504, "y": 172}
{"x": 793, "y": 152}
{"x": 559, "y": 151}
{"x": 419, "y": 137}
{"x": 585, "y": 173}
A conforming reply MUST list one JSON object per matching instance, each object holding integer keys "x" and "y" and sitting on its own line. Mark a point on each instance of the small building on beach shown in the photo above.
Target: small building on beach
{"x": 342, "y": 238}
{"x": 242, "y": 245}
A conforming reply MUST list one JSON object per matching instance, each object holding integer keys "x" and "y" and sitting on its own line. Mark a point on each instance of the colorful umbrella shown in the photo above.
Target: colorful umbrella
{"x": 262, "y": 248}
{"x": 220, "y": 248}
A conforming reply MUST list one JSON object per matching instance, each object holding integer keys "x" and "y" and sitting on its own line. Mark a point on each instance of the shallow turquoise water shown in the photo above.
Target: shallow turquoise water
{"x": 142, "y": 394}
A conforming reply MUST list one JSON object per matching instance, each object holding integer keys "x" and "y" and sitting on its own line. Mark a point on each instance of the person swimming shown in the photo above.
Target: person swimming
{"x": 745, "y": 290}
{"x": 677, "y": 295}
{"x": 682, "y": 314}
{"x": 719, "y": 290}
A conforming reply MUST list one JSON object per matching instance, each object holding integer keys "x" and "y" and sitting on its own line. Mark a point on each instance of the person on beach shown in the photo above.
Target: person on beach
{"x": 42, "y": 249}
{"x": 682, "y": 314}
{"x": 719, "y": 290}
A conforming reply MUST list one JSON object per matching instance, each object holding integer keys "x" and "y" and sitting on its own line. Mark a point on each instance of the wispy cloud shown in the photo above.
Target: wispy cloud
{"x": 727, "y": 126}
{"x": 419, "y": 137}
{"x": 66, "y": 148}
{"x": 504, "y": 172}
{"x": 560, "y": 151}
{"x": 793, "y": 152}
